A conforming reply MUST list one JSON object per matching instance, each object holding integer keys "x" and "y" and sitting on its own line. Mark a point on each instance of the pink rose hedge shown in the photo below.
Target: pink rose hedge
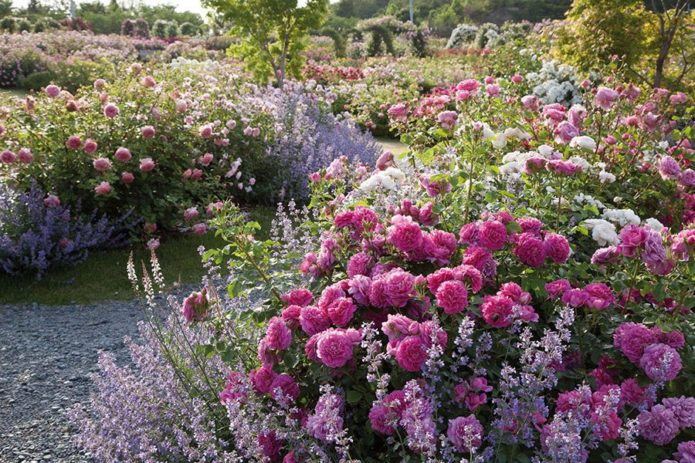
{"x": 512, "y": 289}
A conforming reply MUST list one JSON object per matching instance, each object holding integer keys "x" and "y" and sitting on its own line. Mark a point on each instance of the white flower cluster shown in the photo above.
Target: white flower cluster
{"x": 185, "y": 63}
{"x": 621, "y": 217}
{"x": 581, "y": 198}
{"x": 500, "y": 139}
{"x": 384, "y": 179}
{"x": 602, "y": 231}
{"x": 555, "y": 83}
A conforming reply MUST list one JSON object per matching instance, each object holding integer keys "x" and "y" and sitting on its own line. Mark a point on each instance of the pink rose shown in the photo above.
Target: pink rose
{"x": 661, "y": 362}
{"x": 340, "y": 311}
{"x": 465, "y": 433}
{"x": 51, "y": 201}
{"x": 452, "y": 297}
{"x": 123, "y": 154}
{"x": 147, "y": 164}
{"x": 405, "y": 234}
{"x": 277, "y": 335}
{"x": 8, "y": 157}
{"x": 411, "y": 353}
{"x": 90, "y": 146}
{"x": 313, "y": 320}
{"x": 103, "y": 188}
{"x": 605, "y": 98}
{"x": 300, "y": 296}
{"x": 557, "y": 247}
{"x": 398, "y": 287}
{"x": 334, "y": 347}
{"x": 497, "y": 311}
{"x": 530, "y": 250}
{"x": 492, "y": 235}
{"x": 147, "y": 131}
{"x": 148, "y": 81}
{"x": 262, "y": 379}
{"x": 73, "y": 142}
{"x": 25, "y": 156}
{"x": 206, "y": 159}
{"x": 199, "y": 229}
{"x": 111, "y": 110}
{"x": 101, "y": 164}
{"x": 52, "y": 91}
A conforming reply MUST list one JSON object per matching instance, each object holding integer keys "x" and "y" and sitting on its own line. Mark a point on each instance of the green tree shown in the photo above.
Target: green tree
{"x": 671, "y": 19}
{"x": 272, "y": 33}
{"x": 5, "y": 8}
{"x": 598, "y": 30}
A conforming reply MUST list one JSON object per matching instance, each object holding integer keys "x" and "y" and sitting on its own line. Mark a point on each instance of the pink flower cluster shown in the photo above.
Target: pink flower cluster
{"x": 648, "y": 244}
{"x": 195, "y": 307}
{"x": 662, "y": 423}
{"x": 596, "y": 296}
{"x": 652, "y": 349}
{"x": 409, "y": 340}
{"x": 509, "y": 304}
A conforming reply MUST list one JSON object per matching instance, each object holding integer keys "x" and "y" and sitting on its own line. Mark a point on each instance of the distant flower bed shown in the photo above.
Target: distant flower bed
{"x": 168, "y": 147}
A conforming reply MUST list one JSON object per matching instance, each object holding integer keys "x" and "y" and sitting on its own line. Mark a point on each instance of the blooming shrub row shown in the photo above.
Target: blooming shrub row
{"x": 167, "y": 145}
{"x": 517, "y": 288}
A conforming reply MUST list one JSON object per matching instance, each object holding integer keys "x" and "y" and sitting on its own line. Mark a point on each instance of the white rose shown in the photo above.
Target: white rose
{"x": 606, "y": 177}
{"x": 545, "y": 150}
{"x": 602, "y": 232}
{"x": 583, "y": 142}
{"x": 654, "y": 224}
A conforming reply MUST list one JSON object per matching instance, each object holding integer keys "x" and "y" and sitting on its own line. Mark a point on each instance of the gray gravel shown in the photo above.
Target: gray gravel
{"x": 46, "y": 356}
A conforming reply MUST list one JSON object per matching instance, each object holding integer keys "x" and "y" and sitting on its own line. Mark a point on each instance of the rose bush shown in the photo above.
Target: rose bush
{"x": 517, "y": 288}
{"x": 178, "y": 139}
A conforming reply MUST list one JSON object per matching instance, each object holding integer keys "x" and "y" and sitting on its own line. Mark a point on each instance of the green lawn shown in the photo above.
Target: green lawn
{"x": 103, "y": 275}
{"x": 7, "y": 92}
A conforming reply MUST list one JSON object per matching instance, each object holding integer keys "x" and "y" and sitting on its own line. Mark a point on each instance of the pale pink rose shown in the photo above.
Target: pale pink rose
{"x": 101, "y": 164}
{"x": 103, "y": 188}
{"x": 99, "y": 84}
{"x": 111, "y": 110}
{"x": 205, "y": 131}
{"x": 52, "y": 91}
{"x": 123, "y": 154}
{"x": 199, "y": 229}
{"x": 51, "y": 201}
{"x": 25, "y": 156}
{"x": 147, "y": 164}
{"x": 196, "y": 174}
{"x": 605, "y": 98}
{"x": 191, "y": 213}
{"x": 152, "y": 244}
{"x": 181, "y": 106}
{"x": 90, "y": 146}
{"x": 73, "y": 142}
{"x": 8, "y": 157}
{"x": 127, "y": 177}
{"x": 148, "y": 81}
{"x": 206, "y": 159}
{"x": 147, "y": 131}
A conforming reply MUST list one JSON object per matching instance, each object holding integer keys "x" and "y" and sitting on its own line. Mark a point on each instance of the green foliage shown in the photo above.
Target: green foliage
{"x": 442, "y": 16}
{"x": 24, "y": 25}
{"x": 8, "y": 24}
{"x": 172, "y": 29}
{"x": 596, "y": 30}
{"x": 40, "y": 26}
{"x": 271, "y": 32}
{"x": 159, "y": 29}
{"x": 187, "y": 29}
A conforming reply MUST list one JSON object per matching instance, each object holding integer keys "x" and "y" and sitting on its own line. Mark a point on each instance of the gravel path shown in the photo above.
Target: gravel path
{"x": 46, "y": 356}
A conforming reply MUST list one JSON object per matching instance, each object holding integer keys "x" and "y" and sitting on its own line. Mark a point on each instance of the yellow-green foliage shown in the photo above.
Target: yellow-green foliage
{"x": 596, "y": 30}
